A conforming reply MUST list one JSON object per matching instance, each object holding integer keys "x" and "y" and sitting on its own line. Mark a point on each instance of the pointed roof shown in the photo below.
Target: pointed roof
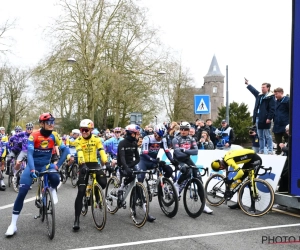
{"x": 214, "y": 69}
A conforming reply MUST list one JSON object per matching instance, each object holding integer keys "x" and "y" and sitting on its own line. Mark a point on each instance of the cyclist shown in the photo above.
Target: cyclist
{"x": 87, "y": 146}
{"x": 23, "y": 153}
{"x": 4, "y": 140}
{"x": 70, "y": 142}
{"x": 233, "y": 158}
{"x": 150, "y": 147}
{"x": 184, "y": 146}
{"x": 40, "y": 145}
{"x": 14, "y": 147}
{"x": 2, "y": 184}
{"x": 128, "y": 157}
{"x": 111, "y": 146}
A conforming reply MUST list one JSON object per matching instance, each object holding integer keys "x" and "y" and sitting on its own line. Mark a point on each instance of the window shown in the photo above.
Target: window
{"x": 215, "y": 90}
{"x": 214, "y": 68}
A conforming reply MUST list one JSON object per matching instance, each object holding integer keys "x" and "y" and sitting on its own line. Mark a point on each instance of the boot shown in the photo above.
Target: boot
{"x": 151, "y": 218}
{"x": 76, "y": 226}
{"x": 234, "y": 206}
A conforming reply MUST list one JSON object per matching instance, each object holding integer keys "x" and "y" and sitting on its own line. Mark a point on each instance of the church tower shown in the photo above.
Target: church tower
{"x": 214, "y": 86}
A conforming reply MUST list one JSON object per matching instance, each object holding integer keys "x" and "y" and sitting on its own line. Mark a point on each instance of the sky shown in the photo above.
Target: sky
{"x": 251, "y": 37}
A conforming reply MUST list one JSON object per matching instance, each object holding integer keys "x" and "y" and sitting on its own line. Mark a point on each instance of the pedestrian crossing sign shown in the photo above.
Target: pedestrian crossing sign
{"x": 202, "y": 104}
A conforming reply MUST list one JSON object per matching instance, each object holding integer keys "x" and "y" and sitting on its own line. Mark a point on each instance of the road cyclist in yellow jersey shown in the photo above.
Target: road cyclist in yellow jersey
{"x": 87, "y": 146}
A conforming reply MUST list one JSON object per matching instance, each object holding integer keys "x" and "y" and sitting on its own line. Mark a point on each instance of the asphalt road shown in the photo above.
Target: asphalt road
{"x": 225, "y": 229}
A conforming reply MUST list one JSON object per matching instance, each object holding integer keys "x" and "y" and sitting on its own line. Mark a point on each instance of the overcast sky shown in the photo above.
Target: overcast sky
{"x": 252, "y": 37}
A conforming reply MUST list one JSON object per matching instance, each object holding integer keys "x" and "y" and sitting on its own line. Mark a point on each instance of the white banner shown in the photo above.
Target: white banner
{"x": 205, "y": 158}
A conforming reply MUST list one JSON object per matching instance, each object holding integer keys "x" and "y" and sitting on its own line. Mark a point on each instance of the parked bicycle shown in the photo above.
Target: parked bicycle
{"x": 94, "y": 197}
{"x": 193, "y": 191}
{"x": 44, "y": 202}
{"x": 11, "y": 171}
{"x": 165, "y": 191}
{"x": 139, "y": 200}
{"x": 261, "y": 195}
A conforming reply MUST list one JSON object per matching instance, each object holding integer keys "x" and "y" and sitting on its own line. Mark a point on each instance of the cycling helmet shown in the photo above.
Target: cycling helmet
{"x": 64, "y": 137}
{"x": 184, "y": 125}
{"x": 46, "y": 117}
{"x": 117, "y": 129}
{"x": 29, "y": 125}
{"x": 160, "y": 130}
{"x": 218, "y": 165}
{"x": 2, "y": 128}
{"x": 132, "y": 128}
{"x": 18, "y": 128}
{"x": 95, "y": 131}
{"x": 76, "y": 131}
{"x": 86, "y": 123}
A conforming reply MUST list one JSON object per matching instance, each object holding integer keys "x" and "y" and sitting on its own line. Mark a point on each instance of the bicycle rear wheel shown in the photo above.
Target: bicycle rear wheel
{"x": 215, "y": 189}
{"x": 16, "y": 181}
{"x": 167, "y": 198}
{"x": 49, "y": 214}
{"x": 74, "y": 175}
{"x": 11, "y": 174}
{"x": 63, "y": 173}
{"x": 139, "y": 204}
{"x": 260, "y": 202}
{"x": 194, "y": 198}
{"x": 111, "y": 195}
{"x": 98, "y": 207}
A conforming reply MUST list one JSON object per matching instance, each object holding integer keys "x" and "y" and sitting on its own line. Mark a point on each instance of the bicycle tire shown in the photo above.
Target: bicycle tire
{"x": 85, "y": 205}
{"x": 111, "y": 194}
{"x": 74, "y": 175}
{"x": 98, "y": 205}
{"x": 15, "y": 183}
{"x": 171, "y": 198}
{"x": 50, "y": 214}
{"x": 201, "y": 198}
{"x": 10, "y": 174}
{"x": 139, "y": 202}
{"x": 243, "y": 200}
{"x": 215, "y": 192}
{"x": 63, "y": 173}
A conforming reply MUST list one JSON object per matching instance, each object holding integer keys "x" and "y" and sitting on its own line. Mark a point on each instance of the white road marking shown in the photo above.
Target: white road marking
{"x": 184, "y": 237}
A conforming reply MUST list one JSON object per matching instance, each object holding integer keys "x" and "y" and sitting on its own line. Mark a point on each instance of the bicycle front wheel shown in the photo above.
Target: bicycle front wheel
{"x": 215, "y": 189}
{"x": 194, "y": 198}
{"x": 256, "y": 200}
{"x": 98, "y": 206}
{"x": 85, "y": 205}
{"x": 139, "y": 204}
{"x": 63, "y": 173}
{"x": 74, "y": 175}
{"x": 111, "y": 195}
{"x": 49, "y": 214}
{"x": 167, "y": 198}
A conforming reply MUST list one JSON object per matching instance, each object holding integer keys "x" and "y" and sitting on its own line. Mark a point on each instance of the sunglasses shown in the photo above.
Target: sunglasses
{"x": 49, "y": 123}
{"x": 84, "y": 130}
{"x": 28, "y": 128}
{"x": 184, "y": 129}
{"x": 18, "y": 131}
{"x": 117, "y": 132}
{"x": 157, "y": 136}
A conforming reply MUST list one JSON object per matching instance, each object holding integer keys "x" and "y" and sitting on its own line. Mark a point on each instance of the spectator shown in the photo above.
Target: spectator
{"x": 150, "y": 130}
{"x": 224, "y": 135}
{"x": 176, "y": 130}
{"x": 192, "y": 133}
{"x": 212, "y": 131}
{"x": 201, "y": 127}
{"x": 205, "y": 142}
{"x": 171, "y": 134}
{"x": 145, "y": 132}
{"x": 284, "y": 179}
{"x": 263, "y": 114}
{"x": 281, "y": 117}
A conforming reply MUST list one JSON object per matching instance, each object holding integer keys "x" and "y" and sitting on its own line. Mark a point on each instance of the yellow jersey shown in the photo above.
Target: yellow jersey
{"x": 87, "y": 149}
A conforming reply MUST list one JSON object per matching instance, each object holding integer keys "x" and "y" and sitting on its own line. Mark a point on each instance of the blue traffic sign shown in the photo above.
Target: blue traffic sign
{"x": 202, "y": 104}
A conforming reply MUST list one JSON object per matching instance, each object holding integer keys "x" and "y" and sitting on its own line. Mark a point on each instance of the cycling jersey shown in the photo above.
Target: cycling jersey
{"x": 4, "y": 142}
{"x": 70, "y": 142}
{"x": 111, "y": 146}
{"x": 87, "y": 149}
{"x": 234, "y": 157}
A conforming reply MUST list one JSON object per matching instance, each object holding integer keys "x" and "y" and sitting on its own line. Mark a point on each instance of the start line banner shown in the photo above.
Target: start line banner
{"x": 206, "y": 157}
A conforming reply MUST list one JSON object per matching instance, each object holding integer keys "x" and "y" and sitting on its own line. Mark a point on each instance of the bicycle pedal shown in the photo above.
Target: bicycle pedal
{"x": 38, "y": 204}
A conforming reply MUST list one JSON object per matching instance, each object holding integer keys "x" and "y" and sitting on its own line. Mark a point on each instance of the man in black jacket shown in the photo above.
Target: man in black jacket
{"x": 201, "y": 127}
{"x": 263, "y": 114}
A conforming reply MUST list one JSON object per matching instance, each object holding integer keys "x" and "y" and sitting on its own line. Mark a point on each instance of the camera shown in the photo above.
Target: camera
{"x": 202, "y": 137}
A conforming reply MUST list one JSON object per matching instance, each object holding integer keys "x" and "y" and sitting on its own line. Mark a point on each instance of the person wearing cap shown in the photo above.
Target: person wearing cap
{"x": 224, "y": 135}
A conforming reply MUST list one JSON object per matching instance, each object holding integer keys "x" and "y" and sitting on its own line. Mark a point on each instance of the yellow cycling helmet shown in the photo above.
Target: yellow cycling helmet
{"x": 217, "y": 165}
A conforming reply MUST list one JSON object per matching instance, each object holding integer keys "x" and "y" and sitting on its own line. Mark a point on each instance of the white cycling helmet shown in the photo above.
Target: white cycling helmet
{"x": 86, "y": 123}
{"x": 185, "y": 125}
{"x": 75, "y": 131}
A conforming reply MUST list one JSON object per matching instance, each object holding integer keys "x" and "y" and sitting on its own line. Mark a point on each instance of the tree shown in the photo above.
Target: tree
{"x": 239, "y": 119}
